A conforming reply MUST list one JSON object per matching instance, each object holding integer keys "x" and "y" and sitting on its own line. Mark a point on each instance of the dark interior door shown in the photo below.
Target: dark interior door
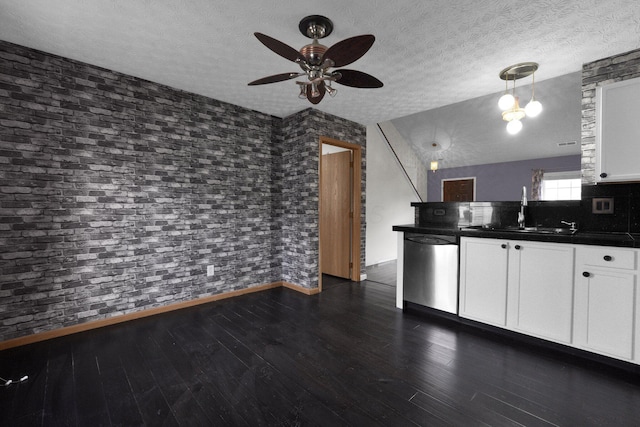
{"x": 458, "y": 190}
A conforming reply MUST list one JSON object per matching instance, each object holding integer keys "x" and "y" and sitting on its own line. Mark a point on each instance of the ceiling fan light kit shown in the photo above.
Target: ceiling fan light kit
{"x": 509, "y": 102}
{"x": 316, "y": 60}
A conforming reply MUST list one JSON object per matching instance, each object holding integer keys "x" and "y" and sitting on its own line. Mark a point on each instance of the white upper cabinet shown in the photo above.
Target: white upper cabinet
{"x": 618, "y": 131}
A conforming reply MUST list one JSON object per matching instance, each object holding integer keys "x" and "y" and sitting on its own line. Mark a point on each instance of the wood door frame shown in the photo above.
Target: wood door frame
{"x": 356, "y": 191}
{"x": 473, "y": 178}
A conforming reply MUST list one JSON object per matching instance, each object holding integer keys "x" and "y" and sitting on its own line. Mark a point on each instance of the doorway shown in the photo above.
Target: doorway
{"x": 339, "y": 207}
{"x": 459, "y": 190}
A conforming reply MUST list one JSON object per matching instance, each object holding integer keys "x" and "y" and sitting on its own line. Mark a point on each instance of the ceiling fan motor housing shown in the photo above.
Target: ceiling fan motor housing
{"x": 313, "y": 52}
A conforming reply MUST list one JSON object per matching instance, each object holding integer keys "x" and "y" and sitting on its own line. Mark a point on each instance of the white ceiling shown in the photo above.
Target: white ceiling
{"x": 472, "y": 132}
{"x": 429, "y": 54}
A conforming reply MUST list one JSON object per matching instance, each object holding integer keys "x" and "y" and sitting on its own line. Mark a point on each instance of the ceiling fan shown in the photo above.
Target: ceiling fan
{"x": 316, "y": 60}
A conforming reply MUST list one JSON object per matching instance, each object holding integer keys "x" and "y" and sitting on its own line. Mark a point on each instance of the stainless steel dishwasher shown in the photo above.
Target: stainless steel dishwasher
{"x": 431, "y": 271}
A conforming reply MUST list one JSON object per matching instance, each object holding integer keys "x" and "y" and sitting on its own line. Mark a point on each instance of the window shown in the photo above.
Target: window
{"x": 561, "y": 186}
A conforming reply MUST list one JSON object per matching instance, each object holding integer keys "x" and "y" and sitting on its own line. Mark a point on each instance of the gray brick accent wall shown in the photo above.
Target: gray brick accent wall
{"x": 301, "y": 134}
{"x": 607, "y": 70}
{"x": 116, "y": 193}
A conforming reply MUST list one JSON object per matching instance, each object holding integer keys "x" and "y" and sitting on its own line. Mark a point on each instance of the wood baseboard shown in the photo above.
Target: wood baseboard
{"x": 56, "y": 333}
{"x": 298, "y": 288}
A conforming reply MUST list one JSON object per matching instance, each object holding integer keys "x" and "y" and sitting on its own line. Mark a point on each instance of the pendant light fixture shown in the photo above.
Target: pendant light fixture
{"x": 509, "y": 103}
{"x": 436, "y": 148}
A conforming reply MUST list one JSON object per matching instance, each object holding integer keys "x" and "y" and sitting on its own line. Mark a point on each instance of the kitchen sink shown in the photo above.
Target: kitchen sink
{"x": 533, "y": 230}
{"x": 543, "y": 230}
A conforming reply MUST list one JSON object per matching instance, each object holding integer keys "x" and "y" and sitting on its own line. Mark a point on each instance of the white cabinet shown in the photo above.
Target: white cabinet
{"x": 618, "y": 131}
{"x": 483, "y": 280}
{"x": 540, "y": 292}
{"x": 579, "y": 295}
{"x": 606, "y": 302}
{"x": 523, "y": 286}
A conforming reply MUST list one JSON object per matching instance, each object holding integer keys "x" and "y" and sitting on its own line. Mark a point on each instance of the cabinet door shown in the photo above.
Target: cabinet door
{"x": 604, "y": 311}
{"x": 483, "y": 280}
{"x": 618, "y": 131}
{"x": 541, "y": 290}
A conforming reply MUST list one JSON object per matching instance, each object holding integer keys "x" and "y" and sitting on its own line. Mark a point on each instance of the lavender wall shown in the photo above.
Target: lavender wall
{"x": 116, "y": 193}
{"x": 500, "y": 181}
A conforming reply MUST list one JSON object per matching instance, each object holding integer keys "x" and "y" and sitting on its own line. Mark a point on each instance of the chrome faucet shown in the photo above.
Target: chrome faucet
{"x": 572, "y": 225}
{"x": 523, "y": 203}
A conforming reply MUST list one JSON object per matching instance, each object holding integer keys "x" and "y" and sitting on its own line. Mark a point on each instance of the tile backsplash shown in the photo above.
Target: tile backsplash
{"x": 626, "y": 208}
{"x": 496, "y": 214}
{"x": 625, "y": 217}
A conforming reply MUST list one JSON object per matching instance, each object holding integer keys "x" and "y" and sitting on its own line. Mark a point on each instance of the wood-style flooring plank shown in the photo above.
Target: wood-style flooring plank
{"x": 346, "y": 356}
{"x": 234, "y": 378}
{"x": 151, "y": 402}
{"x": 196, "y": 364}
{"x": 360, "y": 405}
{"x": 266, "y": 382}
{"x": 271, "y": 354}
{"x": 21, "y": 403}
{"x": 269, "y": 357}
{"x": 183, "y": 405}
{"x": 60, "y": 403}
{"x": 121, "y": 403}
{"x": 91, "y": 404}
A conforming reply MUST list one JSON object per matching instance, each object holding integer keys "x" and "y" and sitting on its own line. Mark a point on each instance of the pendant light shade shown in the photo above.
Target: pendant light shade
{"x": 506, "y": 101}
{"x": 514, "y": 126}
{"x": 533, "y": 108}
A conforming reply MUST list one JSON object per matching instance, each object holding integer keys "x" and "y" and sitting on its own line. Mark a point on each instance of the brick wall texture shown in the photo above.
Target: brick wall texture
{"x": 597, "y": 73}
{"x": 116, "y": 193}
{"x": 301, "y": 133}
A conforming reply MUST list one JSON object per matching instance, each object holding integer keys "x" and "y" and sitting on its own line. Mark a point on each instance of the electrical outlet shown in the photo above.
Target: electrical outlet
{"x": 602, "y": 205}
{"x": 210, "y": 270}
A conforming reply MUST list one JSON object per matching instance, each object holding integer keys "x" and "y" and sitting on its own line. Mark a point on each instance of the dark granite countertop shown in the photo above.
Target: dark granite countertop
{"x": 579, "y": 237}
{"x": 415, "y": 228}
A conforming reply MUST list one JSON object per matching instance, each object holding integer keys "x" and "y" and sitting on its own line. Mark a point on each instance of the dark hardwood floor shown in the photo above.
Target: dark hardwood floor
{"x": 343, "y": 357}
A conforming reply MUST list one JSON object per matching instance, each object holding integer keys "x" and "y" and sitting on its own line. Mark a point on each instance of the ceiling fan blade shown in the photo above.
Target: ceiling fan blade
{"x": 280, "y": 48}
{"x": 317, "y": 99}
{"x": 275, "y": 78}
{"x": 349, "y": 50}
{"x": 359, "y": 79}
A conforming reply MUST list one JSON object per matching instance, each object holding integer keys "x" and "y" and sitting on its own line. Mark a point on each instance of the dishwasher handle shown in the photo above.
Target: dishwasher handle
{"x": 431, "y": 240}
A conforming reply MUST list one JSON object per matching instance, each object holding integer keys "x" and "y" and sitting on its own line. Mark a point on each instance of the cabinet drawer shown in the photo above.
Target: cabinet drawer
{"x": 610, "y": 257}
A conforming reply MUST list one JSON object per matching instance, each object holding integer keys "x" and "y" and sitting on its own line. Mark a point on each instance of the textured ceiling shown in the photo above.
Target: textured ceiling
{"x": 427, "y": 53}
{"x": 472, "y": 132}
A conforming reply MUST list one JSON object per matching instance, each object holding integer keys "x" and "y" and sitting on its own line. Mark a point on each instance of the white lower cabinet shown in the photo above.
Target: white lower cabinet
{"x": 579, "y": 295}
{"x": 540, "y": 291}
{"x": 518, "y": 285}
{"x": 483, "y": 280}
{"x": 606, "y": 302}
